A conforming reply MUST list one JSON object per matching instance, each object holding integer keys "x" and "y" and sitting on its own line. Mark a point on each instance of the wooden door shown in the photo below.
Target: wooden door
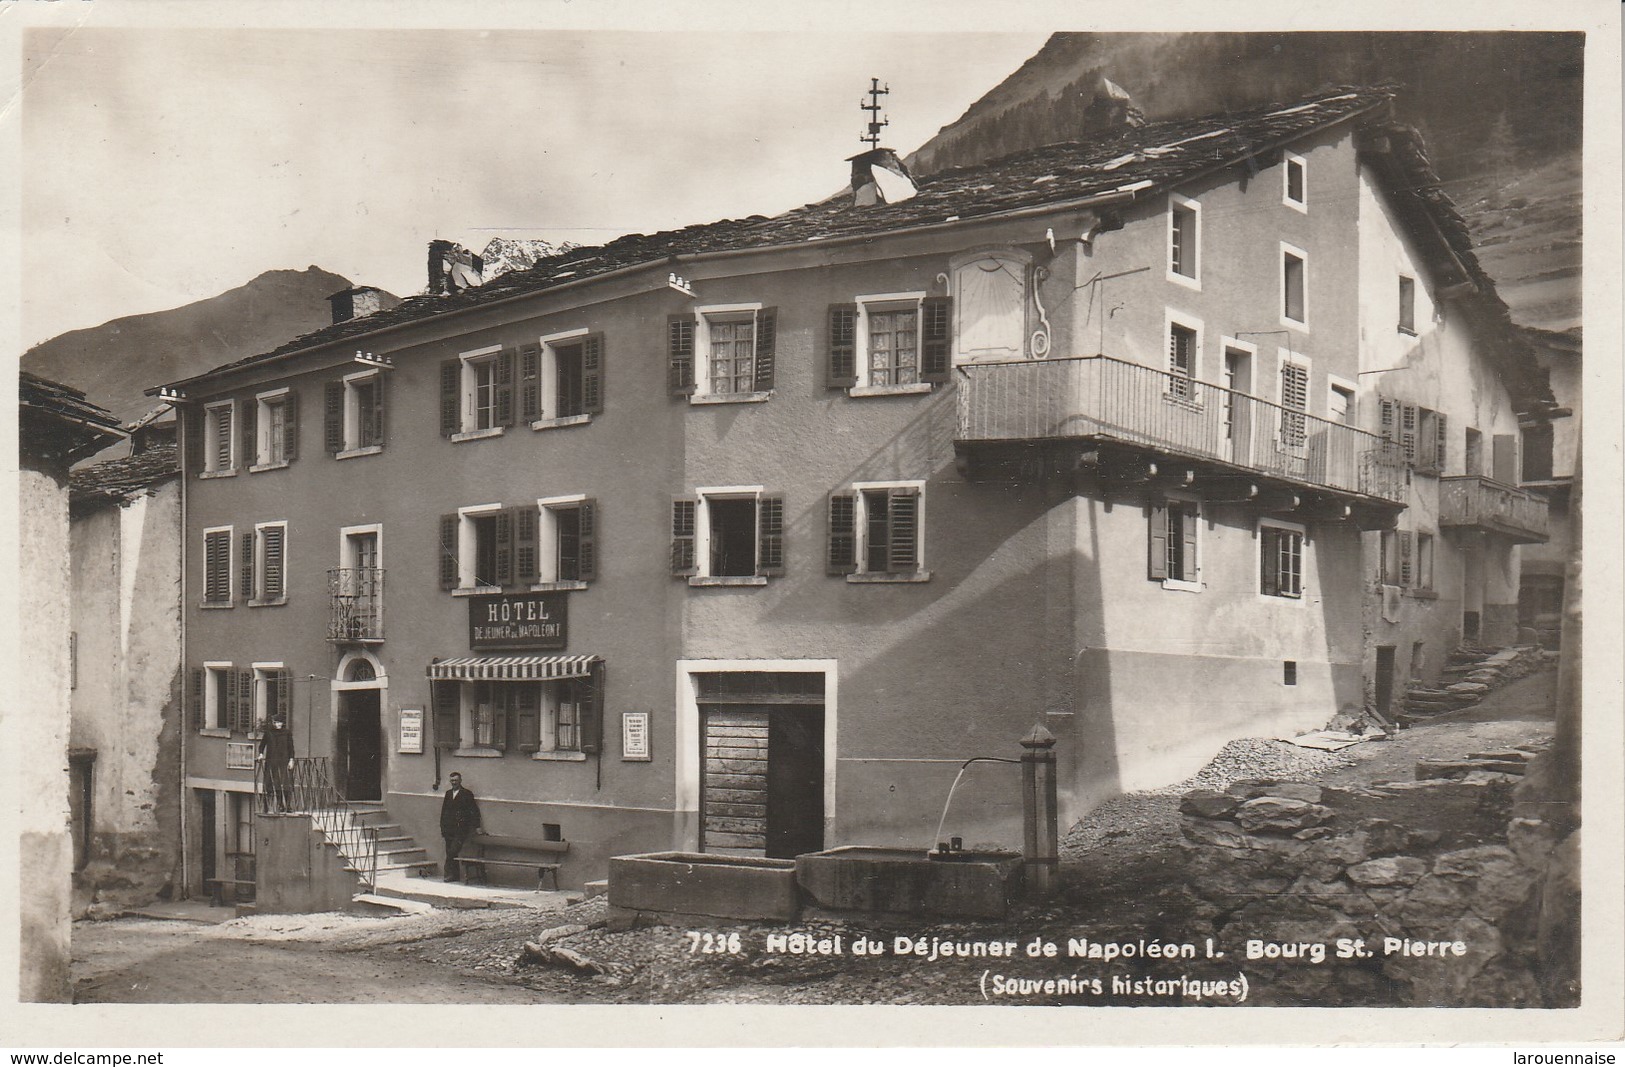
{"x": 1385, "y": 678}
{"x": 360, "y": 745}
{"x": 762, "y": 786}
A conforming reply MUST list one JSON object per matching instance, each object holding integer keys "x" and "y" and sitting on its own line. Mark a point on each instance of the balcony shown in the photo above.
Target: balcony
{"x": 1478, "y": 503}
{"x": 356, "y": 604}
{"x": 1212, "y": 433}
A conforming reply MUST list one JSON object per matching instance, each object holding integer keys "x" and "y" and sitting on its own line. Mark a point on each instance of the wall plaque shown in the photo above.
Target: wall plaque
{"x": 635, "y": 735}
{"x": 240, "y": 755}
{"x": 517, "y": 621}
{"x": 412, "y": 730}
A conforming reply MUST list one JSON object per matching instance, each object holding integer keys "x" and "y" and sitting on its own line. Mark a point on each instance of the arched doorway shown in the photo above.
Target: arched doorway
{"x": 358, "y": 728}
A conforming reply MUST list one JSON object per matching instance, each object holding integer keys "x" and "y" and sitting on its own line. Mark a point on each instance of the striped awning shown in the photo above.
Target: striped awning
{"x": 511, "y": 668}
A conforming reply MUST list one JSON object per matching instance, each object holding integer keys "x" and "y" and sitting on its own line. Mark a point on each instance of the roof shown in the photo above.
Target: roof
{"x": 58, "y": 421}
{"x": 1123, "y": 166}
{"x": 116, "y": 479}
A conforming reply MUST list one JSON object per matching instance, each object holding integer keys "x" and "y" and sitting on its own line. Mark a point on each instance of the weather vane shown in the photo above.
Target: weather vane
{"x": 876, "y": 91}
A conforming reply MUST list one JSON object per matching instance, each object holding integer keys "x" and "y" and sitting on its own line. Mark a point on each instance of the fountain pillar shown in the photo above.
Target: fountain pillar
{"x": 1040, "y": 821}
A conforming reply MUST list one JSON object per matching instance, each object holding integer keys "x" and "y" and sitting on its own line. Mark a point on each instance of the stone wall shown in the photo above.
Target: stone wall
{"x": 1395, "y": 866}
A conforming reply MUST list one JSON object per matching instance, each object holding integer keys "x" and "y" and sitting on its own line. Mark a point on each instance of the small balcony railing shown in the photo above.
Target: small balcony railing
{"x": 1481, "y": 503}
{"x": 1105, "y": 398}
{"x": 356, "y": 611}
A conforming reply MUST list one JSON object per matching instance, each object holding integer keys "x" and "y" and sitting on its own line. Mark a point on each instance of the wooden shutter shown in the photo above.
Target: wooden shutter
{"x": 680, "y": 355}
{"x": 528, "y": 713}
{"x": 215, "y": 582}
{"x": 936, "y": 327}
{"x": 450, "y": 524}
{"x": 1269, "y": 570}
{"x": 1441, "y": 442}
{"x": 1504, "y": 458}
{"x": 842, "y": 557}
{"x": 272, "y": 581}
{"x": 587, "y": 544}
{"x": 1388, "y": 418}
{"x": 506, "y": 365}
{"x": 526, "y": 555}
{"x": 591, "y": 714}
{"x": 841, "y": 366}
{"x": 504, "y": 561}
{"x": 683, "y": 514}
{"x": 245, "y": 567}
{"x": 592, "y": 374}
{"x": 379, "y": 415}
{"x": 222, "y": 437}
{"x": 290, "y": 427}
{"x": 500, "y": 703}
{"x": 1407, "y": 557}
{"x": 1159, "y": 541}
{"x": 250, "y": 431}
{"x": 333, "y": 416}
{"x": 199, "y": 705}
{"x": 284, "y": 696}
{"x": 451, "y": 397}
{"x": 1187, "y": 516}
{"x": 530, "y": 381}
{"x": 767, "y": 329}
{"x": 770, "y": 528}
{"x": 1408, "y": 432}
{"x": 242, "y": 700}
{"x": 446, "y": 700}
{"x": 903, "y": 534}
{"x": 192, "y": 425}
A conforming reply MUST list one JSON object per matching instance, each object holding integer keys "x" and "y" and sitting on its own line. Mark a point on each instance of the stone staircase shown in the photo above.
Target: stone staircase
{"x": 357, "y": 829}
{"x": 1470, "y": 676}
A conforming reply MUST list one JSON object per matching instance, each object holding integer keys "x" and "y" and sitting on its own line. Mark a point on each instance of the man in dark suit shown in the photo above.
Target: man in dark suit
{"x": 459, "y": 820}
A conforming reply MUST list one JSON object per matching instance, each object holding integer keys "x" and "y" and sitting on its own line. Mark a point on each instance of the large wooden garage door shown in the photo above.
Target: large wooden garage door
{"x": 733, "y": 797}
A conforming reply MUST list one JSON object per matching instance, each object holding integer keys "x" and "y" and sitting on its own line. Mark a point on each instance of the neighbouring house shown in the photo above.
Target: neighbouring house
{"x": 743, "y": 537}
{"x": 125, "y": 738}
{"x": 1551, "y": 450}
{"x": 57, "y": 427}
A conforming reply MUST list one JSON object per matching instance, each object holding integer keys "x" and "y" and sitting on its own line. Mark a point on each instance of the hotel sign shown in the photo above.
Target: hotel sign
{"x": 516, "y": 621}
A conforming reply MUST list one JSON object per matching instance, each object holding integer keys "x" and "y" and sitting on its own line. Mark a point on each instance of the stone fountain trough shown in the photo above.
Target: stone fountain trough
{"x": 956, "y": 885}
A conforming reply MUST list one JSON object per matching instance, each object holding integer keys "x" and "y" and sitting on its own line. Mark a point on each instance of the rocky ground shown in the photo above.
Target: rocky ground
{"x": 1122, "y": 873}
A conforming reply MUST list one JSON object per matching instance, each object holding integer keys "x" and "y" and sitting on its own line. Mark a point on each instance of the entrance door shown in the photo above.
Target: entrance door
{"x": 359, "y": 746}
{"x": 762, "y": 788}
{"x": 207, "y": 855}
{"x": 1385, "y": 678}
{"x": 1238, "y": 432}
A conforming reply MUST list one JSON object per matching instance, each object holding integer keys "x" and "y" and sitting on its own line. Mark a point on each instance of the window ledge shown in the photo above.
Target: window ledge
{"x": 1182, "y": 585}
{"x": 560, "y": 757}
{"x": 364, "y": 450}
{"x": 906, "y": 389}
{"x": 1301, "y": 327}
{"x": 476, "y": 590}
{"x": 232, "y": 473}
{"x": 1407, "y": 331}
{"x": 213, "y": 731}
{"x": 478, "y": 753}
{"x": 731, "y": 398}
{"x": 216, "y": 605}
{"x": 274, "y": 602}
{"x": 1185, "y": 280}
{"x": 1423, "y": 594}
{"x": 888, "y": 577}
{"x": 561, "y": 422}
{"x": 1291, "y": 598}
{"x": 278, "y": 465}
{"x": 558, "y": 587}
{"x": 478, "y": 435}
{"x": 703, "y": 581}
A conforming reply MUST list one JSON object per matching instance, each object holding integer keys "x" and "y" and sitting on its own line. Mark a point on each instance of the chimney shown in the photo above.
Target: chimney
{"x": 453, "y": 268}
{"x": 355, "y": 303}
{"x": 879, "y": 177}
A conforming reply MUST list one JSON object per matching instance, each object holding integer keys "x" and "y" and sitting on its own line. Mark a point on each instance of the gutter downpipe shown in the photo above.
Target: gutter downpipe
{"x": 185, "y": 796}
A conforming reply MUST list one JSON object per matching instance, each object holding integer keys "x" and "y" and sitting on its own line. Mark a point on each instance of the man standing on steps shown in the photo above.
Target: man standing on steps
{"x": 459, "y": 820}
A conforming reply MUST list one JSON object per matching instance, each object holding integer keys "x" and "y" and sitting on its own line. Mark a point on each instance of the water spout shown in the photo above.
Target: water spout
{"x": 935, "y": 848}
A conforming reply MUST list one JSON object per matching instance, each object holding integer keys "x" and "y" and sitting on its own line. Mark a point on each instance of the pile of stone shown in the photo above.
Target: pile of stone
{"x": 1437, "y": 861}
{"x": 1472, "y": 674}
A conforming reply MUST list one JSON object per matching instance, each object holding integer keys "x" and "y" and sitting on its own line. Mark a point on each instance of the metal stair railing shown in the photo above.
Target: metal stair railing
{"x": 308, "y": 789}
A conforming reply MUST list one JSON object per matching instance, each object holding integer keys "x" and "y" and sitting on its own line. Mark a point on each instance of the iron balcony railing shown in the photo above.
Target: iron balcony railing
{"x": 357, "y": 604}
{"x": 305, "y": 787}
{"x": 1103, "y": 397}
{"x": 1483, "y": 503}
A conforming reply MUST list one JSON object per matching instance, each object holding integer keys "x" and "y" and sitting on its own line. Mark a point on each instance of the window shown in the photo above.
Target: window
{"x": 1174, "y": 545}
{"x": 1421, "y": 434}
{"x": 1340, "y": 402}
{"x": 1537, "y": 452}
{"x": 724, "y": 352}
{"x": 557, "y": 720}
{"x": 264, "y": 563}
{"x": 1294, "y": 192}
{"x": 1473, "y": 453}
{"x": 561, "y": 379}
{"x": 1295, "y": 403}
{"x": 1184, "y": 240}
{"x": 728, "y": 536}
{"x": 1294, "y": 311}
{"x": 1184, "y": 354}
{"x": 876, "y": 532}
{"x": 476, "y": 393}
{"x": 219, "y": 454}
{"x": 217, "y": 567}
{"x": 1280, "y": 560}
{"x": 1289, "y": 672}
{"x": 1407, "y": 559}
{"x": 271, "y": 428}
{"x": 273, "y": 694}
{"x": 564, "y": 545}
{"x": 476, "y": 548}
{"x": 354, "y": 415}
{"x": 1424, "y": 561}
{"x": 1407, "y": 305}
{"x": 902, "y": 339}
{"x": 222, "y": 699}
{"x": 357, "y": 587}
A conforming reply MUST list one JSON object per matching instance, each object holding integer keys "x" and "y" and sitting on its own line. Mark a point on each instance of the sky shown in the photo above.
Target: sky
{"x": 166, "y": 165}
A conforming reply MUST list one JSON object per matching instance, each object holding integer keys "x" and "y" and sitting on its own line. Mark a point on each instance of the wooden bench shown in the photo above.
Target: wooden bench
{"x": 545, "y": 864}
{"x": 217, "y": 889}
